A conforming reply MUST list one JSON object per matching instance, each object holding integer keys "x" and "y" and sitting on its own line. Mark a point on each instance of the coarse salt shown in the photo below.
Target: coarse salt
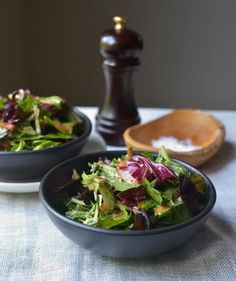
{"x": 174, "y": 144}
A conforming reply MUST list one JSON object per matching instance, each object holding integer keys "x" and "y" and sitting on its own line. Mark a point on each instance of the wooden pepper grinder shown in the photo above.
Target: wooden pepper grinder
{"x": 120, "y": 47}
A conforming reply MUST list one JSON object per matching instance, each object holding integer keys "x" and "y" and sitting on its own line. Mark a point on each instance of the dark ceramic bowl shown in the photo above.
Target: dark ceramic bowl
{"x": 31, "y": 166}
{"x": 115, "y": 243}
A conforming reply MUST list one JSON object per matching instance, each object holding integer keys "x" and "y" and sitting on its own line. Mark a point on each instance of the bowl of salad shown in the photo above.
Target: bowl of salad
{"x": 127, "y": 204}
{"x": 37, "y": 133}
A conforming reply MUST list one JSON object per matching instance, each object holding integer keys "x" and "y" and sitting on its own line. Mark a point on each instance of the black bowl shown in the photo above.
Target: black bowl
{"x": 31, "y": 166}
{"x": 115, "y": 243}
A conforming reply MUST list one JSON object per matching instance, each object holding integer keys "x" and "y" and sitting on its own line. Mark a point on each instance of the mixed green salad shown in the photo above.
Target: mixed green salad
{"x": 134, "y": 192}
{"x": 29, "y": 122}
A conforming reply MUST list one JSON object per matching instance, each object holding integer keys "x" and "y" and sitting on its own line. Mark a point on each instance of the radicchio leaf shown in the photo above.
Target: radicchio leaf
{"x": 136, "y": 168}
{"x": 47, "y": 106}
{"x": 132, "y": 196}
{"x": 10, "y": 111}
{"x": 86, "y": 195}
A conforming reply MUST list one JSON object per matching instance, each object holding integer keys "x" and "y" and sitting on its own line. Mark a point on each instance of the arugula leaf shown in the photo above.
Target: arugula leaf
{"x": 169, "y": 195}
{"x": 152, "y": 192}
{"x": 111, "y": 175}
{"x": 147, "y": 205}
{"x": 164, "y": 158}
{"x": 54, "y": 100}
{"x": 18, "y": 146}
{"x": 148, "y": 155}
{"x": 28, "y": 104}
{"x": 123, "y": 185}
{"x": 114, "y": 220}
{"x": 44, "y": 144}
{"x": 176, "y": 215}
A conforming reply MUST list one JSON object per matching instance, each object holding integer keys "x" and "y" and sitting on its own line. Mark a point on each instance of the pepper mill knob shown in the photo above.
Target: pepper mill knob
{"x": 120, "y": 48}
{"x": 120, "y": 23}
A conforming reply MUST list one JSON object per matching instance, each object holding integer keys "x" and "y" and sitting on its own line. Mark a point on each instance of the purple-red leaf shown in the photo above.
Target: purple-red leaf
{"x": 10, "y": 111}
{"x": 132, "y": 196}
{"x": 48, "y": 106}
{"x": 137, "y": 168}
{"x": 193, "y": 199}
{"x": 141, "y": 220}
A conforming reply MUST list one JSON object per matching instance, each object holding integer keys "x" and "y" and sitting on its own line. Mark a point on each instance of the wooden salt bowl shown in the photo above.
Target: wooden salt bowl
{"x": 204, "y": 130}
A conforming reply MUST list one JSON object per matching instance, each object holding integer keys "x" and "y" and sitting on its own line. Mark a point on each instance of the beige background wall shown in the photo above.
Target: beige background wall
{"x": 189, "y": 56}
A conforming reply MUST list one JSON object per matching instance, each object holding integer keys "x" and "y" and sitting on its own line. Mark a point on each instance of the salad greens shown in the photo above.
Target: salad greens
{"x": 29, "y": 122}
{"x": 134, "y": 192}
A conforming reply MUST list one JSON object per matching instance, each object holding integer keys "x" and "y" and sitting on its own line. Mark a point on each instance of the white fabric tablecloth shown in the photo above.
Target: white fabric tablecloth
{"x": 31, "y": 248}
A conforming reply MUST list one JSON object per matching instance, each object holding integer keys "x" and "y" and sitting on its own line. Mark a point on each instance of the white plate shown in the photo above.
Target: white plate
{"x": 19, "y": 187}
{"x": 94, "y": 144}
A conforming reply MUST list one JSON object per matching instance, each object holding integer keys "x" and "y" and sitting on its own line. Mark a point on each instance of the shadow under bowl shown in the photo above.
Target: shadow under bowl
{"x": 115, "y": 243}
{"x": 31, "y": 166}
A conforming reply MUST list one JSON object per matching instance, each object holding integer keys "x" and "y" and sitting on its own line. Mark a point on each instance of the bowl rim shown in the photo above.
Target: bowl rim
{"x": 202, "y": 150}
{"x": 83, "y": 136}
{"x": 114, "y": 153}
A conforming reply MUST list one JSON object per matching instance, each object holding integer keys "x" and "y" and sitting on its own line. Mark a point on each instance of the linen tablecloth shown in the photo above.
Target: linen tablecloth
{"x": 31, "y": 248}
